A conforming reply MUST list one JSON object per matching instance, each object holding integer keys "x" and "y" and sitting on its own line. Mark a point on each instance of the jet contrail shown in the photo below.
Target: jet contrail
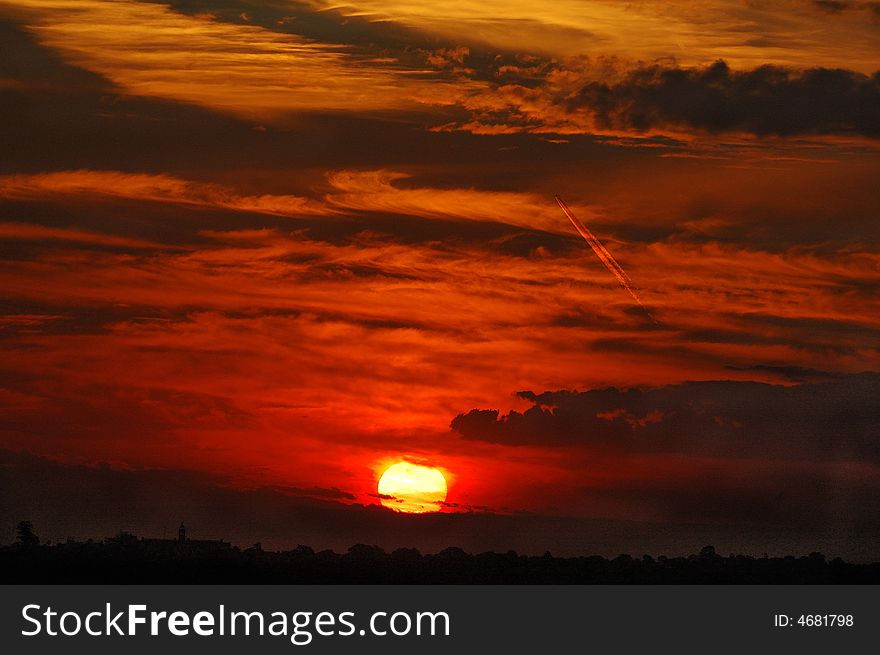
{"x": 604, "y": 256}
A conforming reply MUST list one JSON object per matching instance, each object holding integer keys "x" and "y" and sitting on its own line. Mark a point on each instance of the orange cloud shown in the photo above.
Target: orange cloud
{"x": 148, "y": 49}
{"x": 373, "y": 191}
{"x": 154, "y": 188}
{"x": 28, "y": 232}
{"x": 746, "y": 34}
{"x": 377, "y": 191}
{"x": 270, "y": 355}
{"x": 308, "y": 336}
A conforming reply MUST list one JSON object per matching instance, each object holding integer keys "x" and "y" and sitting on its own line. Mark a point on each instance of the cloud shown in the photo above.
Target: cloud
{"x": 447, "y": 57}
{"x": 746, "y": 34}
{"x": 377, "y": 191}
{"x": 833, "y": 419}
{"x": 152, "y": 188}
{"x": 290, "y": 305}
{"x": 31, "y": 232}
{"x": 149, "y": 50}
{"x": 350, "y": 191}
{"x": 322, "y": 493}
{"x": 790, "y": 373}
{"x": 763, "y": 101}
{"x": 254, "y": 72}
{"x": 108, "y": 413}
{"x": 378, "y": 332}
{"x": 832, "y": 6}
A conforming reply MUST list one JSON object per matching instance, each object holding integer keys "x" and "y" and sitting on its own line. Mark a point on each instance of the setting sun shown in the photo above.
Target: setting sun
{"x": 407, "y": 487}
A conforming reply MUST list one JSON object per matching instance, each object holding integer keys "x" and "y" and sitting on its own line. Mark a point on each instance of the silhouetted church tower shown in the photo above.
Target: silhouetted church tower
{"x": 181, "y": 534}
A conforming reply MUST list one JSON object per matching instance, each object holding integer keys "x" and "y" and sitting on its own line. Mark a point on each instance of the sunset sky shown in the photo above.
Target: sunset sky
{"x": 286, "y": 243}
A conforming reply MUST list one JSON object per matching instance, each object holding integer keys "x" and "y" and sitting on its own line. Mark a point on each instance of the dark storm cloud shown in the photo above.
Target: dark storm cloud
{"x": 768, "y": 100}
{"x": 835, "y": 419}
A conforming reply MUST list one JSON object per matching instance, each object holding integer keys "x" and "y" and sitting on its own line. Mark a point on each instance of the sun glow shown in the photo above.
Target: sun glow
{"x": 412, "y": 488}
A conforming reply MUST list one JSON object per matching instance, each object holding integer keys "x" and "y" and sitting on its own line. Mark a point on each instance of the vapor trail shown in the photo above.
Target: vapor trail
{"x": 605, "y": 257}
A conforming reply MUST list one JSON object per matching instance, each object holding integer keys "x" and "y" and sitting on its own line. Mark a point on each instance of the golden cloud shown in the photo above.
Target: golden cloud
{"x": 351, "y": 190}
{"x": 148, "y": 49}
{"x": 746, "y": 34}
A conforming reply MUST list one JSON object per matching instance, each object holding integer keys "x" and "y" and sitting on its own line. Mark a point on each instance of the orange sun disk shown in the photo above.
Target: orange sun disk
{"x": 412, "y": 488}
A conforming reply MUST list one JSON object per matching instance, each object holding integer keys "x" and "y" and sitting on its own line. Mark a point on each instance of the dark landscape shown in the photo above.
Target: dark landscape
{"x": 128, "y": 559}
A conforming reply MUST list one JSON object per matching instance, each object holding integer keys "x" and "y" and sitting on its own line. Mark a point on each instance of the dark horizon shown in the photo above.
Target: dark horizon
{"x": 127, "y": 558}
{"x": 81, "y": 502}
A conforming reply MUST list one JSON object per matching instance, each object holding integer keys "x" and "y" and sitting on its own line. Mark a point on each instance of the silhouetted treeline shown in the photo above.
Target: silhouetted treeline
{"x": 127, "y": 559}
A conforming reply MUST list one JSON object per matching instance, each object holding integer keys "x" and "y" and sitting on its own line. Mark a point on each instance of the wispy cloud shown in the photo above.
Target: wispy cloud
{"x": 148, "y": 49}
{"x": 154, "y": 188}
{"x": 31, "y": 232}
{"x": 350, "y": 190}
{"x": 789, "y": 33}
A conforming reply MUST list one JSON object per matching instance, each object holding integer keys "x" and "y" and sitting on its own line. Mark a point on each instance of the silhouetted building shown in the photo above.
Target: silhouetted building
{"x": 185, "y": 546}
